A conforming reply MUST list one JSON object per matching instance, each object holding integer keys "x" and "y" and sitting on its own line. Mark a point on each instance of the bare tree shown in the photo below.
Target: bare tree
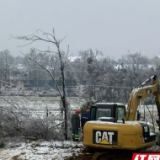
{"x": 6, "y": 61}
{"x": 51, "y": 38}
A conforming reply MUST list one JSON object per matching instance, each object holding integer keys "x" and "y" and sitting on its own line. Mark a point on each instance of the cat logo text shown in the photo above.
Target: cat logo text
{"x": 104, "y": 137}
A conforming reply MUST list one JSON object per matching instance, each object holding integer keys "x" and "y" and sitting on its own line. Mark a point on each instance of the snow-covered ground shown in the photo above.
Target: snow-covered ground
{"x": 53, "y": 150}
{"x": 36, "y": 103}
{"x": 37, "y": 150}
{"x": 38, "y": 106}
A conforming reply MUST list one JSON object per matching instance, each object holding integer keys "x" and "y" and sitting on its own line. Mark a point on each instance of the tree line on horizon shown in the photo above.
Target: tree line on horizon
{"x": 103, "y": 77}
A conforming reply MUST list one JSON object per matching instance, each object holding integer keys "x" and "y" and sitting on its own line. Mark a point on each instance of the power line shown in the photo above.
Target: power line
{"x": 99, "y": 86}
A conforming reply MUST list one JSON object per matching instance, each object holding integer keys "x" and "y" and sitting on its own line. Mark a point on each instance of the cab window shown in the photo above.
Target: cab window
{"x": 120, "y": 113}
{"x": 103, "y": 112}
{"x": 92, "y": 113}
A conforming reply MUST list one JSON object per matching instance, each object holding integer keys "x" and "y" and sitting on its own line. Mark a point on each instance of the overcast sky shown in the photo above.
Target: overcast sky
{"x": 111, "y": 26}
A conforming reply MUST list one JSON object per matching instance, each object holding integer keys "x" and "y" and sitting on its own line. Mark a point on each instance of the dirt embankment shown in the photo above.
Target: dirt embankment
{"x": 95, "y": 154}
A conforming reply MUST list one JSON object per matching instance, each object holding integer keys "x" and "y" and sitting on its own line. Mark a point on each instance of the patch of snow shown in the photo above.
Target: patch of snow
{"x": 37, "y": 150}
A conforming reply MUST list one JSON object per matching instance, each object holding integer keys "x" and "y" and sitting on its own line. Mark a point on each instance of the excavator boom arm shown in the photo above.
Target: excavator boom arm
{"x": 141, "y": 93}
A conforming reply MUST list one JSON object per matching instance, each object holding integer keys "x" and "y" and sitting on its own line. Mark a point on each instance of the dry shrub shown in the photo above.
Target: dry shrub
{"x": 17, "y": 122}
{"x": 43, "y": 129}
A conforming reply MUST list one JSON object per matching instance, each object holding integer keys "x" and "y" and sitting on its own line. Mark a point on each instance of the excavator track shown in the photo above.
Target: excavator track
{"x": 98, "y": 156}
{"x": 109, "y": 154}
{"x": 106, "y": 156}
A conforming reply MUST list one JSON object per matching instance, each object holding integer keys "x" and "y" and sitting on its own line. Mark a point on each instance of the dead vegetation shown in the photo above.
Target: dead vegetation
{"x": 18, "y": 121}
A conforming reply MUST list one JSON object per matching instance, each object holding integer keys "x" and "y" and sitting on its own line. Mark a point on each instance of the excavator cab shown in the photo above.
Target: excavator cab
{"x": 110, "y": 112}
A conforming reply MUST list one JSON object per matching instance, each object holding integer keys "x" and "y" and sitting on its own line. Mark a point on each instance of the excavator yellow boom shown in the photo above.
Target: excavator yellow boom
{"x": 140, "y": 93}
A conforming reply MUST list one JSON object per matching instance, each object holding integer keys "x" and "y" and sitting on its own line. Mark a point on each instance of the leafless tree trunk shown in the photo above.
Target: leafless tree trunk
{"x": 152, "y": 118}
{"x": 50, "y": 38}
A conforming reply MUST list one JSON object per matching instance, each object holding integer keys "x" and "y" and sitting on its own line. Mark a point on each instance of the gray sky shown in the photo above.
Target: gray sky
{"x": 111, "y": 26}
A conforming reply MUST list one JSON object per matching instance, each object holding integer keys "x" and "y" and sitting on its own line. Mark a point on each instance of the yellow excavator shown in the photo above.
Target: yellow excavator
{"x": 113, "y": 125}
